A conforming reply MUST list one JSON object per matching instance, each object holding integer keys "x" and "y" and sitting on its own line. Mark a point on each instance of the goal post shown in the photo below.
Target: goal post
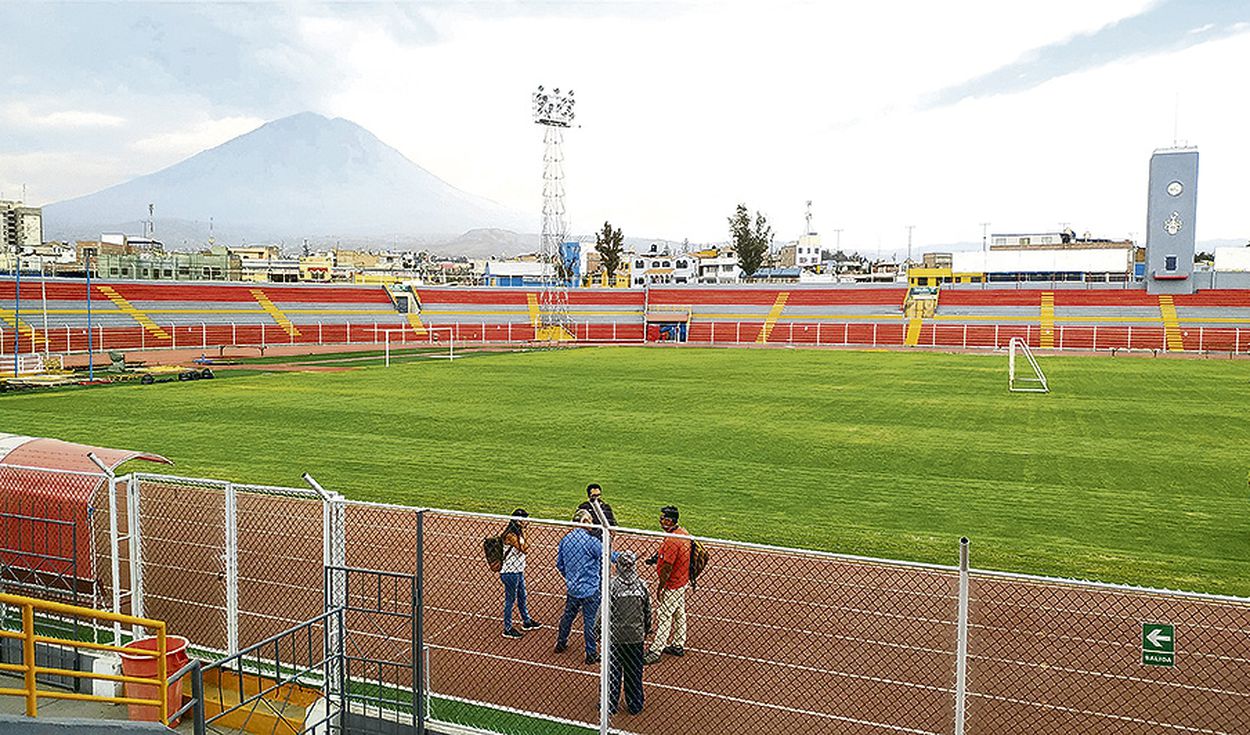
{"x": 1024, "y": 374}
{"x": 435, "y": 336}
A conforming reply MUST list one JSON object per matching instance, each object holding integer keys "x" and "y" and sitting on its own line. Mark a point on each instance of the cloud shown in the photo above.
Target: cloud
{"x": 196, "y": 137}
{"x": 1166, "y": 27}
{"x": 20, "y": 115}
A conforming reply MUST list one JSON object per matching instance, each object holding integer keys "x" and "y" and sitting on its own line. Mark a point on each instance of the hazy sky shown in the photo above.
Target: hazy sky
{"x": 941, "y": 115}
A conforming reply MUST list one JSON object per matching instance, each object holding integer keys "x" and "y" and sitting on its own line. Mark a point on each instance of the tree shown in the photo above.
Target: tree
{"x": 610, "y": 245}
{"x": 750, "y": 241}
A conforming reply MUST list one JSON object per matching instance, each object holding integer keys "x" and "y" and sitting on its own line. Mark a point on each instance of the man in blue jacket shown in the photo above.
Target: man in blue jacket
{"x": 579, "y": 559}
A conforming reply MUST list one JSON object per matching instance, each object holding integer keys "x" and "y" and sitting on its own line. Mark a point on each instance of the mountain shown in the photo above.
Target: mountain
{"x": 301, "y": 176}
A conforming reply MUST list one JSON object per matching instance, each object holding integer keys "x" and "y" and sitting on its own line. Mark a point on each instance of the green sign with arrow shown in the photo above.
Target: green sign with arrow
{"x": 1158, "y": 644}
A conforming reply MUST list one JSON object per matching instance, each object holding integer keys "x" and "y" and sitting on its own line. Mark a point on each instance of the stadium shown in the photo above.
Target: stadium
{"x": 832, "y": 496}
{"x": 977, "y": 508}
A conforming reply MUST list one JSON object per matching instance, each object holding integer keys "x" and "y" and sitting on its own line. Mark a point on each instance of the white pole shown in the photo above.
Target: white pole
{"x": 995, "y": 336}
{"x": 234, "y": 339}
{"x": 817, "y": 333}
{"x": 965, "y": 336}
{"x": 388, "y": 348}
{"x": 874, "y": 334}
{"x": 1200, "y": 340}
{"x": 1095, "y": 338}
{"x": 1128, "y": 345}
{"x": 203, "y": 335}
{"x": 232, "y": 568}
{"x": 961, "y": 643}
{"x": 605, "y": 629}
{"x": 737, "y": 334}
{"x": 173, "y": 335}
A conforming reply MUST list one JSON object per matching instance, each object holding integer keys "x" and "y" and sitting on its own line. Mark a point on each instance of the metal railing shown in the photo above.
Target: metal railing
{"x": 30, "y": 670}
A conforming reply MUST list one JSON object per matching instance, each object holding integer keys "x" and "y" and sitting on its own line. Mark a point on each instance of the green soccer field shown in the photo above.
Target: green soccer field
{"x": 1132, "y": 470}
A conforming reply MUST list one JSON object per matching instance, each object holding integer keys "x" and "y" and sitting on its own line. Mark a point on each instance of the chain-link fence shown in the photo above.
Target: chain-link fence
{"x": 767, "y": 639}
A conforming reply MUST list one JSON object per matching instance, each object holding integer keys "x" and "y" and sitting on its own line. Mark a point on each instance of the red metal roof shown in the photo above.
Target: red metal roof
{"x": 54, "y": 454}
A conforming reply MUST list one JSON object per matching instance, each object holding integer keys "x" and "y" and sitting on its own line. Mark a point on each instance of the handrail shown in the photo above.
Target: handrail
{"x": 29, "y": 669}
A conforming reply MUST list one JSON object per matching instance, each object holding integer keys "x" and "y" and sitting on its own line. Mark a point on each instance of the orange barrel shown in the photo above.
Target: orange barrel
{"x": 146, "y": 667}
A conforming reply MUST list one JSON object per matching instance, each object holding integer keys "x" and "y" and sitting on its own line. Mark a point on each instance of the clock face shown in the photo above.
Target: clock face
{"x": 1175, "y": 188}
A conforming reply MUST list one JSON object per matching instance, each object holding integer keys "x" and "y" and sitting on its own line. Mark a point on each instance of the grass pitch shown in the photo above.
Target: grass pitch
{"x": 1133, "y": 470}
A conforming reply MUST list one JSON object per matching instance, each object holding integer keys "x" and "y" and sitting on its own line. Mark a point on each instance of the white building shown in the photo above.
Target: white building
{"x": 1099, "y": 264}
{"x": 718, "y": 266}
{"x": 807, "y": 251}
{"x": 1232, "y": 259}
{"x": 661, "y": 267}
{"x": 20, "y": 225}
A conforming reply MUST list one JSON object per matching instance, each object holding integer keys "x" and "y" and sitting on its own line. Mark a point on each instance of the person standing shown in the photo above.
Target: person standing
{"x": 512, "y": 574}
{"x": 594, "y": 496}
{"x": 673, "y": 569}
{"x": 578, "y": 559}
{"x": 630, "y": 622}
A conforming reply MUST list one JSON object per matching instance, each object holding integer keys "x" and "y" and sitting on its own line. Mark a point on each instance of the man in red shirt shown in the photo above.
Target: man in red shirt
{"x": 673, "y": 568}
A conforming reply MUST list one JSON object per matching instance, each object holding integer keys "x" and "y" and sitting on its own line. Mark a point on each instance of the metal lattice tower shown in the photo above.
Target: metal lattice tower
{"x": 554, "y": 111}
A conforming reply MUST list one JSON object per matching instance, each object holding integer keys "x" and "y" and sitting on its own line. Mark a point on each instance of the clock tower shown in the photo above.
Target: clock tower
{"x": 1171, "y": 209}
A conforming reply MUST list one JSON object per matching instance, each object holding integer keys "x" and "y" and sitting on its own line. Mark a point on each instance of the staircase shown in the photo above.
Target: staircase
{"x": 129, "y": 309}
{"x": 1171, "y": 324}
{"x": 1047, "y": 339}
{"x": 280, "y": 711}
{"x": 272, "y": 310}
{"x": 773, "y": 315}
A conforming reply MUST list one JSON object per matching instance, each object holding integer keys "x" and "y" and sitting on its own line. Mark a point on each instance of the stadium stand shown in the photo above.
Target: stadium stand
{"x": 129, "y": 315}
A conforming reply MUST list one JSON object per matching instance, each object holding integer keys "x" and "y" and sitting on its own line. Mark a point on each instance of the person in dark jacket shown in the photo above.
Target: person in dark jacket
{"x": 630, "y": 624}
{"x": 594, "y": 496}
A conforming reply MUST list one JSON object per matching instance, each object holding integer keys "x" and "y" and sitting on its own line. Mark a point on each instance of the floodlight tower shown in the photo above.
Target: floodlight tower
{"x": 553, "y": 110}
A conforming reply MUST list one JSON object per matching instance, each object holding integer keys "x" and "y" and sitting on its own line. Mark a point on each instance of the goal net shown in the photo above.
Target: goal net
{"x": 436, "y": 337}
{"x": 1024, "y": 374}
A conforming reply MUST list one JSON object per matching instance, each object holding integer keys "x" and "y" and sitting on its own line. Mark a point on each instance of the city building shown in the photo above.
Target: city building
{"x": 656, "y": 266}
{"x": 717, "y": 265}
{"x": 160, "y": 266}
{"x": 1064, "y": 240}
{"x": 20, "y": 225}
{"x": 514, "y": 273}
{"x": 1095, "y": 265}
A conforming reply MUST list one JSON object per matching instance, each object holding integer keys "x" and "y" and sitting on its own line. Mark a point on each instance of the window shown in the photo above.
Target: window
{"x": 727, "y": 268}
{"x": 639, "y": 264}
{"x": 112, "y": 271}
{"x": 667, "y": 264}
{"x": 681, "y": 264}
{"x": 1024, "y": 241}
{"x": 169, "y": 273}
{"x": 125, "y": 271}
{"x": 1169, "y": 263}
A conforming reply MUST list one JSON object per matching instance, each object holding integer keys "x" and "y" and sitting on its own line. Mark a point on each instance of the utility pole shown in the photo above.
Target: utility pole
{"x": 838, "y": 233}
{"x": 909, "y": 229}
{"x": 985, "y": 246}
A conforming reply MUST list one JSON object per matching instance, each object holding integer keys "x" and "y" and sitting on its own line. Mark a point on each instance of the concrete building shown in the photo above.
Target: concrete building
{"x": 210, "y": 266}
{"x": 1171, "y": 210}
{"x": 1097, "y": 265}
{"x": 717, "y": 265}
{"x": 656, "y": 266}
{"x": 20, "y": 225}
{"x": 1233, "y": 259}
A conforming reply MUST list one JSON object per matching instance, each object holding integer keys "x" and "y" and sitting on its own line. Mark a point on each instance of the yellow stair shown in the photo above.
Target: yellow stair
{"x": 532, "y": 300}
{"x": 272, "y": 310}
{"x": 127, "y": 308}
{"x": 1171, "y": 325}
{"x": 775, "y": 313}
{"x": 28, "y": 332}
{"x": 913, "y": 331}
{"x": 280, "y": 712}
{"x": 1048, "y": 320}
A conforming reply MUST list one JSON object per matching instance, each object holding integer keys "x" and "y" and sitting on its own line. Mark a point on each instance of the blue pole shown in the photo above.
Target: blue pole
{"x": 17, "y": 310}
{"x": 90, "y": 347}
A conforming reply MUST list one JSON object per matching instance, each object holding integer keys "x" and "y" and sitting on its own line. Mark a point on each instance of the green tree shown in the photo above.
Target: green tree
{"x": 750, "y": 240}
{"x": 610, "y": 245}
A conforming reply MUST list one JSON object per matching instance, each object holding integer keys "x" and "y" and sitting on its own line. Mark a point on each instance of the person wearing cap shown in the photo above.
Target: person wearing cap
{"x": 630, "y": 623}
{"x": 594, "y": 496}
{"x": 512, "y": 574}
{"x": 672, "y": 566}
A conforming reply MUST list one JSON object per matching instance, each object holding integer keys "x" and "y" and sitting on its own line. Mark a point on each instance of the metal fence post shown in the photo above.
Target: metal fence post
{"x": 738, "y": 333}
{"x": 203, "y": 335}
{"x": 134, "y": 528}
{"x": 173, "y": 335}
{"x": 319, "y": 333}
{"x": 115, "y": 569}
{"x": 419, "y": 671}
{"x": 334, "y": 554}
{"x": 234, "y": 337}
{"x": 232, "y": 569}
{"x": 961, "y": 642}
{"x": 262, "y": 334}
{"x": 605, "y": 628}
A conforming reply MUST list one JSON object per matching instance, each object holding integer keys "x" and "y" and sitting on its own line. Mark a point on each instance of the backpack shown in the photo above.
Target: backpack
{"x": 698, "y": 562}
{"x": 492, "y": 548}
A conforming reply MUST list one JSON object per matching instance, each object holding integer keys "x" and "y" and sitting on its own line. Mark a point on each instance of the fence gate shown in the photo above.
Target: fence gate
{"x": 381, "y": 672}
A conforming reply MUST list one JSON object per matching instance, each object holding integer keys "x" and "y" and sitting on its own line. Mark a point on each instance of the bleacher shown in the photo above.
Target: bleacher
{"x": 130, "y": 314}
{"x": 142, "y": 314}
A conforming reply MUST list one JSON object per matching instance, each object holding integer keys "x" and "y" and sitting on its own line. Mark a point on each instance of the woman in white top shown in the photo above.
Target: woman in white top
{"x": 512, "y": 574}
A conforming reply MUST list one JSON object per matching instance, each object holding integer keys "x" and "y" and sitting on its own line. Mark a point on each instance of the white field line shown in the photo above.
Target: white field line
{"x": 1092, "y": 713}
{"x": 1105, "y": 675}
{"x": 686, "y": 690}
